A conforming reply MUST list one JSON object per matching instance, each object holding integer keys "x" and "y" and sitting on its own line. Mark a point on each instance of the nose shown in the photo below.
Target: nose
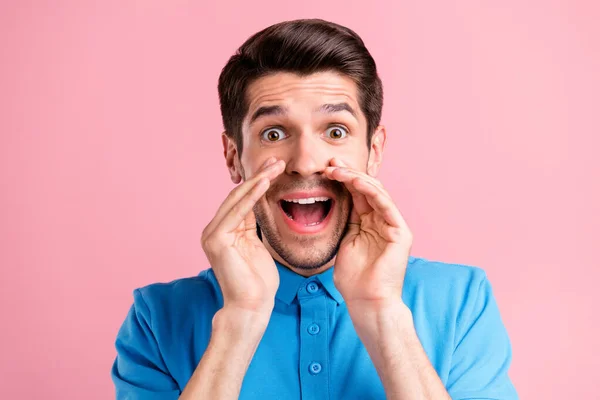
{"x": 307, "y": 156}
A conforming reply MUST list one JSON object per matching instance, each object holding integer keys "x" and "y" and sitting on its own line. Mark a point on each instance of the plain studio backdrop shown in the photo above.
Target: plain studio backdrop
{"x": 111, "y": 165}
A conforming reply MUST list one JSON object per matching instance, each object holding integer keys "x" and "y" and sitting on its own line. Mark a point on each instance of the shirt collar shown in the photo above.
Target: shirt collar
{"x": 290, "y": 282}
{"x": 326, "y": 278}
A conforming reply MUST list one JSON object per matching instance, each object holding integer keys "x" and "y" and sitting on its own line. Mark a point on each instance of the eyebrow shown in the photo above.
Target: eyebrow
{"x": 335, "y": 108}
{"x": 279, "y": 110}
{"x": 266, "y": 111}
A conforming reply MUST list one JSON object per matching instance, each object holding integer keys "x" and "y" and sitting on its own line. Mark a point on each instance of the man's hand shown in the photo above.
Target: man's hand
{"x": 369, "y": 273}
{"x": 371, "y": 261}
{"x": 248, "y": 278}
{"x": 243, "y": 266}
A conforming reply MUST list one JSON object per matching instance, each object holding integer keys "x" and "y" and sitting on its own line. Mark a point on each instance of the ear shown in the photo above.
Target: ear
{"x": 376, "y": 151}
{"x": 231, "y": 158}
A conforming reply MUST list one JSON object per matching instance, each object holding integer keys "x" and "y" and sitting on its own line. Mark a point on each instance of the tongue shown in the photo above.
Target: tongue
{"x": 307, "y": 214}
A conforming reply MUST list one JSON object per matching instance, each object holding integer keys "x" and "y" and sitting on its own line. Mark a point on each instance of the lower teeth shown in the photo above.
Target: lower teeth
{"x": 313, "y": 224}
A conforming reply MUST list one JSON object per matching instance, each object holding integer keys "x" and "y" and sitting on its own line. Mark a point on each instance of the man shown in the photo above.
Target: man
{"x": 274, "y": 318}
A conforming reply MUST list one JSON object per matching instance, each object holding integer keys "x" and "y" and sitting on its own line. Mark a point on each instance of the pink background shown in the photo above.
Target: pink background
{"x": 111, "y": 165}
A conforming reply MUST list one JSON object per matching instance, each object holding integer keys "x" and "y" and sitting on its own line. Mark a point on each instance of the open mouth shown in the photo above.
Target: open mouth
{"x": 307, "y": 212}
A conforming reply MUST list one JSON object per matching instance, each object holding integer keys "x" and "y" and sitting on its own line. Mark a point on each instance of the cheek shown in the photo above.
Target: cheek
{"x": 355, "y": 157}
{"x": 252, "y": 160}
{"x": 250, "y": 166}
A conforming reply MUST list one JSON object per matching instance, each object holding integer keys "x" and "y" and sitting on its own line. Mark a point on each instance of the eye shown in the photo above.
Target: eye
{"x": 336, "y": 132}
{"x": 273, "y": 135}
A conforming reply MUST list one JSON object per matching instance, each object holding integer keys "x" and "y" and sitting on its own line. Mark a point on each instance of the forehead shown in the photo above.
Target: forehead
{"x": 289, "y": 88}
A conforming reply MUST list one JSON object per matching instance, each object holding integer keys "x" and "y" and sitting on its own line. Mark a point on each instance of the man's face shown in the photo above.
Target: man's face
{"x": 305, "y": 121}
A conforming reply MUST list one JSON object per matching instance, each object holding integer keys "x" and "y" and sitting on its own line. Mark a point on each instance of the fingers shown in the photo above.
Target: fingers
{"x": 380, "y": 202}
{"x": 270, "y": 169}
{"x": 359, "y": 201}
{"x": 240, "y": 211}
{"x": 360, "y": 205}
{"x": 336, "y": 162}
{"x": 366, "y": 189}
{"x": 246, "y": 192}
{"x": 347, "y": 175}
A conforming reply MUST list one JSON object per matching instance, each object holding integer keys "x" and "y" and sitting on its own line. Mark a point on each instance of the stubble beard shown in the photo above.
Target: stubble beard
{"x": 310, "y": 256}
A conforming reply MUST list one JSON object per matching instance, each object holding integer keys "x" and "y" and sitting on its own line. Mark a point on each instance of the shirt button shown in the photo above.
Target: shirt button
{"x": 314, "y": 368}
{"x": 313, "y": 329}
{"x": 312, "y": 287}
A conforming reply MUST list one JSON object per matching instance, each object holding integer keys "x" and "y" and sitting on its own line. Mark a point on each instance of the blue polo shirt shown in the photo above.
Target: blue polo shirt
{"x": 310, "y": 349}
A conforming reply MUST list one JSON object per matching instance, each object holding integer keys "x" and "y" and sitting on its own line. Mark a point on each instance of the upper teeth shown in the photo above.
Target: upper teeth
{"x": 309, "y": 200}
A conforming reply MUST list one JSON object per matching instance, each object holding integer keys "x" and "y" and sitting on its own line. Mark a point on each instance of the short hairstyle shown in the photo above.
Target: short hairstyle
{"x": 303, "y": 46}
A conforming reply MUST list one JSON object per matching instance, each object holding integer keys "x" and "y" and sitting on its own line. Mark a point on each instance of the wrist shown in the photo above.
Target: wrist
{"x": 381, "y": 319}
{"x": 388, "y": 334}
{"x": 234, "y": 322}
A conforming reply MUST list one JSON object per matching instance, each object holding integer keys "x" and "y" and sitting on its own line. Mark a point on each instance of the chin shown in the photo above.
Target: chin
{"x": 300, "y": 246}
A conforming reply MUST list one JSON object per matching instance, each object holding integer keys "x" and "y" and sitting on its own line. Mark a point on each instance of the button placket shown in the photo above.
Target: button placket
{"x": 314, "y": 344}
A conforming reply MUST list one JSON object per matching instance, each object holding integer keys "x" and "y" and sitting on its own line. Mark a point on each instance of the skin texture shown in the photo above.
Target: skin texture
{"x": 367, "y": 239}
{"x": 307, "y": 149}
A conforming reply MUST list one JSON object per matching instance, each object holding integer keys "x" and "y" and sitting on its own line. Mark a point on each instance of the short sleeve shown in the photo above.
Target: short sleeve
{"x": 482, "y": 351}
{"x": 139, "y": 371}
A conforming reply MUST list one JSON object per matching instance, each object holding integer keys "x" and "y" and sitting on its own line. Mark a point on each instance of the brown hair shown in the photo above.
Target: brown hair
{"x": 303, "y": 46}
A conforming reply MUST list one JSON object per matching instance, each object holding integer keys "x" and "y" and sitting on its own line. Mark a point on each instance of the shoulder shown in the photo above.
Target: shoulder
{"x": 168, "y": 325}
{"x": 443, "y": 275}
{"x": 442, "y": 287}
{"x": 460, "y": 326}
{"x": 166, "y": 301}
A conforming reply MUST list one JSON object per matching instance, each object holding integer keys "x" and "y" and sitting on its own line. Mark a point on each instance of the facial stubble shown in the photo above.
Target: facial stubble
{"x": 313, "y": 254}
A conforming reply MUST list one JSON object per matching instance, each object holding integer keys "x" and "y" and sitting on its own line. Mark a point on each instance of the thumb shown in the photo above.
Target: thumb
{"x": 250, "y": 223}
{"x": 354, "y": 220}
{"x": 356, "y": 197}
